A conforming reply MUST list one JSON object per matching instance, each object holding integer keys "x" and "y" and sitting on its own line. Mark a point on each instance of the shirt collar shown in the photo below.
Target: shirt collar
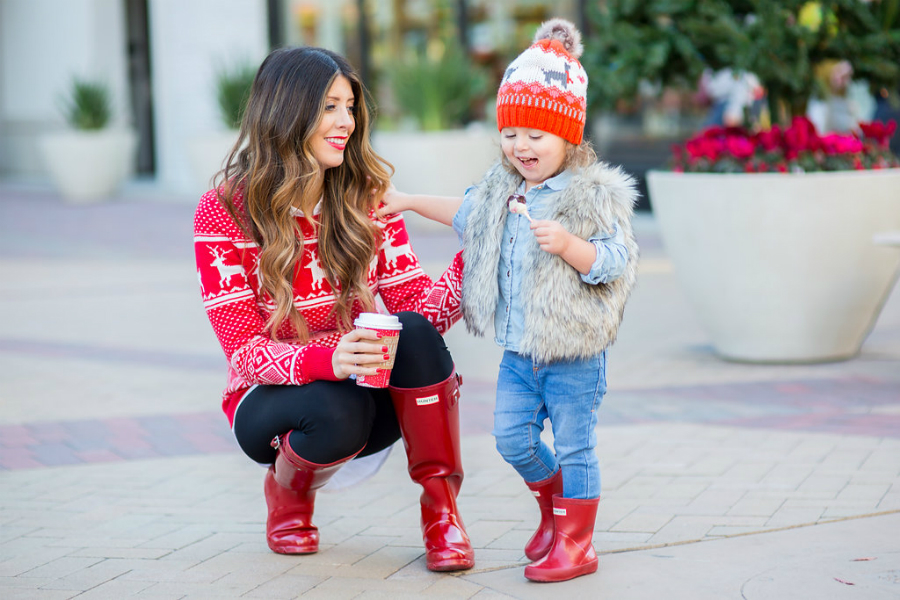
{"x": 296, "y": 212}
{"x": 559, "y": 182}
{"x": 555, "y": 183}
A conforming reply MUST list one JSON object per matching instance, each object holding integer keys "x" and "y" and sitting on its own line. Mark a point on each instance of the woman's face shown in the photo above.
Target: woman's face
{"x": 330, "y": 138}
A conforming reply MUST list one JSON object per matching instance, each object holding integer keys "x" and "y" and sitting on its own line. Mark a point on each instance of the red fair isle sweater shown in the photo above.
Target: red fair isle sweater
{"x": 237, "y": 307}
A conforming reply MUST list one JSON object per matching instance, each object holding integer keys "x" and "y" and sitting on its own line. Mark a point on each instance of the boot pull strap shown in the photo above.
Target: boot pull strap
{"x": 454, "y": 393}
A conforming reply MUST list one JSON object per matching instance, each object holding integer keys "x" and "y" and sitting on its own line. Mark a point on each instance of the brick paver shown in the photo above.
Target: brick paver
{"x": 119, "y": 476}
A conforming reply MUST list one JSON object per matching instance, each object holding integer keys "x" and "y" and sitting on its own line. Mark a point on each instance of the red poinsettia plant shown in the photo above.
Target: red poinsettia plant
{"x": 794, "y": 149}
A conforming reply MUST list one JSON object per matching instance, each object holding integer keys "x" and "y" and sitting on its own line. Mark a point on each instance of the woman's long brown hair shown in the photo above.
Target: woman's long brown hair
{"x": 273, "y": 165}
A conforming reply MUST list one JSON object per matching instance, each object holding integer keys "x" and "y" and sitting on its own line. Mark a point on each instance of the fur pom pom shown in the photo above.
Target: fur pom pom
{"x": 563, "y": 31}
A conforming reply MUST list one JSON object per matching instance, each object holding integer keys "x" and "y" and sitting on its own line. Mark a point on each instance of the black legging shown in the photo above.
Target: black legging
{"x": 333, "y": 419}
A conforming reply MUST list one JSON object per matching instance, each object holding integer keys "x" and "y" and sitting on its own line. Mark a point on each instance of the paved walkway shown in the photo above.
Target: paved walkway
{"x": 119, "y": 477}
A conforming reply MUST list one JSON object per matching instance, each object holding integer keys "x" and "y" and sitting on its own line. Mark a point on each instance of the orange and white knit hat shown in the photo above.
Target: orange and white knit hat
{"x": 545, "y": 87}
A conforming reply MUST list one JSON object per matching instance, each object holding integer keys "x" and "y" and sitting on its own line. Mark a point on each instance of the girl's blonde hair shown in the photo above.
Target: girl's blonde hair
{"x": 272, "y": 168}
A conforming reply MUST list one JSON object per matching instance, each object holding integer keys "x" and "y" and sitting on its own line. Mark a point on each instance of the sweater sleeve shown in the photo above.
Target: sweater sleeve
{"x": 403, "y": 284}
{"x": 223, "y": 256}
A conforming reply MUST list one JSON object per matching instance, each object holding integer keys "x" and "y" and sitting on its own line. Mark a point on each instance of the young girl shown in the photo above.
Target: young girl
{"x": 553, "y": 279}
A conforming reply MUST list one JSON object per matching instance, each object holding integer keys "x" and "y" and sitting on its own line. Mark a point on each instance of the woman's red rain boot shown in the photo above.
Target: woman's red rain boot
{"x": 572, "y": 553}
{"x": 543, "y": 491}
{"x": 429, "y": 421}
{"x": 290, "y": 489}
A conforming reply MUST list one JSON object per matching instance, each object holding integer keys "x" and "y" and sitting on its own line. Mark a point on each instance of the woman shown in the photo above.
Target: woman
{"x": 289, "y": 251}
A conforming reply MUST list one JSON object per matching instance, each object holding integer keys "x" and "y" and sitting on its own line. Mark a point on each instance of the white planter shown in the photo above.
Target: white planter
{"x": 207, "y": 154}
{"x": 438, "y": 162}
{"x": 89, "y": 166}
{"x": 442, "y": 163}
{"x": 782, "y": 268}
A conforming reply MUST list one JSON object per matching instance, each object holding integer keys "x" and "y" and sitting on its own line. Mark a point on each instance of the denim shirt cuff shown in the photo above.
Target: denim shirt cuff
{"x": 612, "y": 255}
{"x": 597, "y": 273}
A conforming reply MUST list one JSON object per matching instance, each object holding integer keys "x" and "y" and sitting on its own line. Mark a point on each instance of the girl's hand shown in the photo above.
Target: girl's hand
{"x": 358, "y": 353}
{"x": 392, "y": 202}
{"x": 551, "y": 236}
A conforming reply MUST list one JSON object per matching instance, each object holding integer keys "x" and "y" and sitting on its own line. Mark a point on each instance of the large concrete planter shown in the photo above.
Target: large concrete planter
{"x": 782, "y": 268}
{"x": 443, "y": 163}
{"x": 438, "y": 162}
{"x": 89, "y": 166}
{"x": 207, "y": 154}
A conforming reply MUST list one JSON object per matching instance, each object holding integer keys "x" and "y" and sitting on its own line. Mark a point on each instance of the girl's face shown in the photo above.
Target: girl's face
{"x": 536, "y": 155}
{"x": 330, "y": 138}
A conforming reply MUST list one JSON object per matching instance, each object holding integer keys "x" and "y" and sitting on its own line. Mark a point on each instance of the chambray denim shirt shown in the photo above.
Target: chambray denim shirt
{"x": 509, "y": 317}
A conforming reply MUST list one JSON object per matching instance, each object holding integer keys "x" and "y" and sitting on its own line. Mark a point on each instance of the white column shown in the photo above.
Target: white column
{"x": 188, "y": 42}
{"x": 43, "y": 45}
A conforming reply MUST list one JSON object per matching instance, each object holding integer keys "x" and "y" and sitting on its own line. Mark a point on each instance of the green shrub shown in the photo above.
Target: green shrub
{"x": 438, "y": 93}
{"x": 668, "y": 43}
{"x": 232, "y": 92}
{"x": 88, "y": 106}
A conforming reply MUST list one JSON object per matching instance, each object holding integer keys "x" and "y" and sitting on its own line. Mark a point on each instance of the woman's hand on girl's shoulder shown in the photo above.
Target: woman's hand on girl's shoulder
{"x": 393, "y": 202}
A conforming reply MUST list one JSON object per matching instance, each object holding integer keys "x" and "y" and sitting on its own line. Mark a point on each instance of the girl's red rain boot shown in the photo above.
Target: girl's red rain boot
{"x": 290, "y": 489}
{"x": 429, "y": 421}
{"x": 572, "y": 553}
{"x": 543, "y": 491}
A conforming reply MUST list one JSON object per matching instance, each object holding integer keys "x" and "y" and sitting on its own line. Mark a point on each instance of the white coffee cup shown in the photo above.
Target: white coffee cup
{"x": 388, "y": 327}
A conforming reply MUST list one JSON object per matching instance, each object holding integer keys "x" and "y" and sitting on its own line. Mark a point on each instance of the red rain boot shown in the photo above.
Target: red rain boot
{"x": 572, "y": 553}
{"x": 290, "y": 489}
{"x": 429, "y": 421}
{"x": 543, "y": 491}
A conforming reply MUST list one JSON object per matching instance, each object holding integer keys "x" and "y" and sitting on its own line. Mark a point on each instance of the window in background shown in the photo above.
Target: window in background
{"x": 429, "y": 64}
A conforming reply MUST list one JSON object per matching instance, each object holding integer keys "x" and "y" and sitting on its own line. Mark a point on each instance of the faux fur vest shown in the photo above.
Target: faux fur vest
{"x": 565, "y": 318}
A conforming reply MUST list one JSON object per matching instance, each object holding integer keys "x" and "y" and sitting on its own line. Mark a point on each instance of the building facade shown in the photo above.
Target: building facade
{"x": 160, "y": 59}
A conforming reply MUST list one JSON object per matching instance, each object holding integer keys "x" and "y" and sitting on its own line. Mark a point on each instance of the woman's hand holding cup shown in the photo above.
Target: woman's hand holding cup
{"x": 360, "y": 352}
{"x": 387, "y": 328}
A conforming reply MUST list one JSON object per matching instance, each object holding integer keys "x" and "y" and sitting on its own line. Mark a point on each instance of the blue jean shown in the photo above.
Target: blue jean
{"x": 568, "y": 393}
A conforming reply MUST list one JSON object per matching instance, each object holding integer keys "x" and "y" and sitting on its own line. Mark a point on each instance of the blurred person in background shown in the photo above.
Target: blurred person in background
{"x": 835, "y": 110}
{"x": 736, "y": 98}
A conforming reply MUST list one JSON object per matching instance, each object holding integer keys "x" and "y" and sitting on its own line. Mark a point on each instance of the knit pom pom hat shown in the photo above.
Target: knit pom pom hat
{"x": 545, "y": 87}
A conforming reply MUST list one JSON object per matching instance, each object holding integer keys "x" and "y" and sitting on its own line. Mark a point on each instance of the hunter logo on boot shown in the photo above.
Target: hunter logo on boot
{"x": 559, "y": 512}
{"x": 427, "y": 400}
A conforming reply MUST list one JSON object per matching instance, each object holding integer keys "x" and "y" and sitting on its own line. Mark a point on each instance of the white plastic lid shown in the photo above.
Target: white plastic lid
{"x": 377, "y": 321}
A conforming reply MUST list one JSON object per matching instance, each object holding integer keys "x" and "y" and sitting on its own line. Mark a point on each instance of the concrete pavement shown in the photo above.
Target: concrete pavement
{"x": 119, "y": 477}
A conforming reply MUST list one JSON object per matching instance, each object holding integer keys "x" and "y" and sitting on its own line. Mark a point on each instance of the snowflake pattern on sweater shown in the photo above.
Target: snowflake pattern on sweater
{"x": 238, "y": 308}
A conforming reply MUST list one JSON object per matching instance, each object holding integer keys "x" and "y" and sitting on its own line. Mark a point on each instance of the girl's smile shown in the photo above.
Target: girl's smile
{"x": 536, "y": 155}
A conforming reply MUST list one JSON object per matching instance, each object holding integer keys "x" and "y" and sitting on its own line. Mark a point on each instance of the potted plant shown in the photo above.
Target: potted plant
{"x": 434, "y": 93}
{"x": 232, "y": 90}
{"x": 771, "y": 231}
{"x": 438, "y": 92}
{"x": 89, "y": 161}
{"x": 670, "y": 44}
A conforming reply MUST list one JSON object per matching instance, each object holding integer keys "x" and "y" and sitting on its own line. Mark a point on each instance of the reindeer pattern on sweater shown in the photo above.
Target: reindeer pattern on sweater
{"x": 238, "y": 308}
